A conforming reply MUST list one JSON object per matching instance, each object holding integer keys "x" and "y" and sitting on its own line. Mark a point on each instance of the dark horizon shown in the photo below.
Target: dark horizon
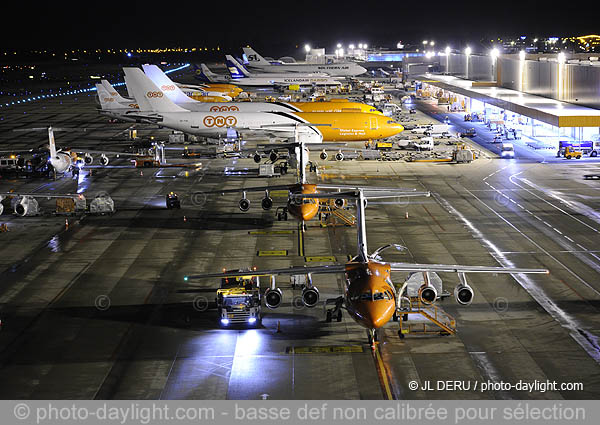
{"x": 275, "y": 28}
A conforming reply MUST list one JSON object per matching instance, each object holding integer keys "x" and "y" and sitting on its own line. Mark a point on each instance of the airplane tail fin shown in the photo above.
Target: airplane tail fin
{"x": 51, "y": 143}
{"x": 113, "y": 93}
{"x": 107, "y": 102}
{"x": 148, "y": 96}
{"x": 236, "y": 70}
{"x": 166, "y": 85}
{"x": 203, "y": 73}
{"x": 254, "y": 59}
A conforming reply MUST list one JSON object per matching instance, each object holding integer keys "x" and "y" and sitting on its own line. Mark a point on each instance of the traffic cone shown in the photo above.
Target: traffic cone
{"x": 66, "y": 223}
{"x": 141, "y": 173}
{"x": 278, "y": 327}
{"x": 406, "y": 215}
{"x": 184, "y": 219}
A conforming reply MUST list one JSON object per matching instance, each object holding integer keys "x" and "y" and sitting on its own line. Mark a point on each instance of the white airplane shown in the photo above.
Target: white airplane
{"x": 157, "y": 108}
{"x": 203, "y": 73}
{"x": 180, "y": 98}
{"x": 242, "y": 77}
{"x": 340, "y": 69}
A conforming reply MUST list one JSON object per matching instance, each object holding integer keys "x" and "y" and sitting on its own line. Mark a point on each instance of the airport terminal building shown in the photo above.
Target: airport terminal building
{"x": 545, "y": 97}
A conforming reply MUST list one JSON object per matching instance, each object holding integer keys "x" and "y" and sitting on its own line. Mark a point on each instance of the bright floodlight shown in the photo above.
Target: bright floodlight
{"x": 432, "y": 43}
{"x": 561, "y": 57}
{"x": 351, "y": 47}
{"x": 339, "y": 45}
{"x": 522, "y": 55}
{"x": 307, "y": 48}
{"x": 365, "y": 46}
{"x": 495, "y": 52}
{"x": 448, "y": 50}
{"x": 468, "y": 51}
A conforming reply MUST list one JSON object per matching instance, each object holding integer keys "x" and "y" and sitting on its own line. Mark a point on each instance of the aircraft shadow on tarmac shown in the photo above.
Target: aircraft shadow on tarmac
{"x": 207, "y": 221}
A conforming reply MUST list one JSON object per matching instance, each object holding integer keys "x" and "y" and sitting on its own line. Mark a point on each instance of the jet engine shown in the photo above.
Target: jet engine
{"x": 427, "y": 293}
{"x": 244, "y": 204}
{"x": 339, "y": 156}
{"x": 26, "y": 206}
{"x": 104, "y": 160}
{"x": 266, "y": 203}
{"x": 273, "y": 297}
{"x": 88, "y": 159}
{"x": 463, "y": 294}
{"x": 257, "y": 158}
{"x": 339, "y": 203}
{"x": 310, "y": 296}
{"x": 273, "y": 156}
{"x": 323, "y": 155}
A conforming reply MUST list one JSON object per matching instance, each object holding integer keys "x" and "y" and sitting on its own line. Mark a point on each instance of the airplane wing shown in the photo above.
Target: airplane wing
{"x": 42, "y": 195}
{"x": 297, "y": 270}
{"x": 377, "y": 194}
{"x": 409, "y": 267}
{"x": 252, "y": 189}
{"x": 84, "y": 151}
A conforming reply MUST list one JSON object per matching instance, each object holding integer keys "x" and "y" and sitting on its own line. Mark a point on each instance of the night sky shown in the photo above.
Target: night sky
{"x": 277, "y": 27}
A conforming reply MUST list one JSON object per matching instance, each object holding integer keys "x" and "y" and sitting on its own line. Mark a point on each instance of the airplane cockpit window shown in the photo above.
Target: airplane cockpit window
{"x": 381, "y": 296}
{"x": 366, "y": 296}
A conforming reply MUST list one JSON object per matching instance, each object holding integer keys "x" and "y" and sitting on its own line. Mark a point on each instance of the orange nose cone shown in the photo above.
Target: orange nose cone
{"x": 308, "y": 211}
{"x": 378, "y": 313}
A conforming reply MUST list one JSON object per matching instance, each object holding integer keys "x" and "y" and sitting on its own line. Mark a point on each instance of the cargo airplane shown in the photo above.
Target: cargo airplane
{"x": 370, "y": 296}
{"x": 337, "y": 69}
{"x": 157, "y": 108}
{"x": 243, "y": 78}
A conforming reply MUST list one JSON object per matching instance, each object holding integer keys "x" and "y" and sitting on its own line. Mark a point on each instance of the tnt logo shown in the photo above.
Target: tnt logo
{"x": 113, "y": 93}
{"x": 134, "y": 106}
{"x": 108, "y": 99}
{"x": 219, "y": 121}
{"x": 224, "y": 108}
{"x": 152, "y": 94}
{"x": 170, "y": 87}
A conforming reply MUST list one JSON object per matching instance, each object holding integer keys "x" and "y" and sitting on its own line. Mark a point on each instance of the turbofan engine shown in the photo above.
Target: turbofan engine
{"x": 273, "y": 156}
{"x": 339, "y": 203}
{"x": 310, "y": 296}
{"x": 257, "y": 158}
{"x": 427, "y": 293}
{"x": 26, "y": 206}
{"x": 323, "y": 155}
{"x": 339, "y": 156}
{"x": 267, "y": 202}
{"x": 463, "y": 294}
{"x": 88, "y": 159}
{"x": 244, "y": 204}
{"x": 104, "y": 160}
{"x": 273, "y": 297}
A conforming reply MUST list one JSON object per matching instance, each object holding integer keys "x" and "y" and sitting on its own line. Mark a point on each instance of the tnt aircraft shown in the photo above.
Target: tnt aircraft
{"x": 157, "y": 108}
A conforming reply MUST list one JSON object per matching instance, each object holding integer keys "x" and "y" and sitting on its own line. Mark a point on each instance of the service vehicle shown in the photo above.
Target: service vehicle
{"x": 468, "y": 133}
{"x": 172, "y": 201}
{"x": 507, "y": 151}
{"x": 238, "y": 300}
{"x": 438, "y": 130}
{"x": 570, "y": 153}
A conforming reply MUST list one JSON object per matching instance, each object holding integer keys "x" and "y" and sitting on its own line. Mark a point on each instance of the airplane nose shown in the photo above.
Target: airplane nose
{"x": 378, "y": 314}
{"x": 308, "y": 211}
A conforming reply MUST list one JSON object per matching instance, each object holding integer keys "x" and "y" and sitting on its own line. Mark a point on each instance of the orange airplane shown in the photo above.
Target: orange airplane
{"x": 370, "y": 296}
{"x": 300, "y": 206}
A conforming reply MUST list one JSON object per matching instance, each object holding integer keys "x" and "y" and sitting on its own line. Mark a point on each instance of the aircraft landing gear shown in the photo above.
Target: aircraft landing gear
{"x": 373, "y": 339}
{"x": 282, "y": 214}
{"x": 335, "y": 312}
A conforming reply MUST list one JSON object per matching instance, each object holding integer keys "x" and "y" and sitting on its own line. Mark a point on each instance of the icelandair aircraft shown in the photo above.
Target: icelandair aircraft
{"x": 339, "y": 69}
{"x": 157, "y": 108}
{"x": 242, "y": 77}
{"x": 370, "y": 296}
